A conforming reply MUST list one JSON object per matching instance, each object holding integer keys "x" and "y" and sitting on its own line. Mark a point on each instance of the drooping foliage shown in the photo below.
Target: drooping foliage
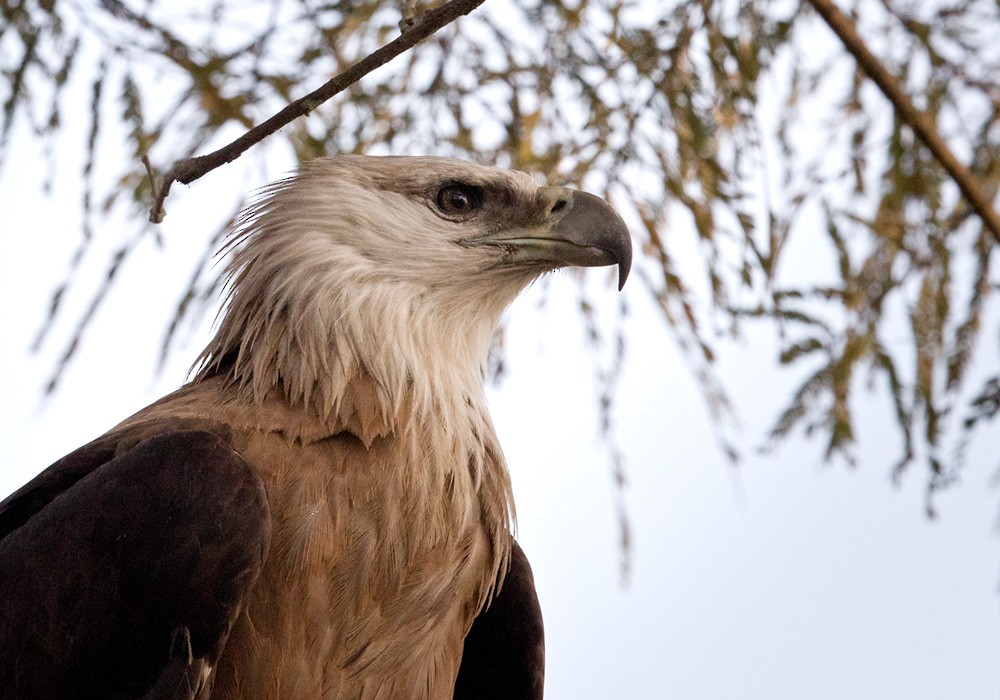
{"x": 812, "y": 205}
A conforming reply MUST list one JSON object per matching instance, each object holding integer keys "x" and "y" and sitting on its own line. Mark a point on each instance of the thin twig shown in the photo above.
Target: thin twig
{"x": 409, "y": 19}
{"x": 921, "y": 122}
{"x": 190, "y": 169}
{"x": 154, "y": 186}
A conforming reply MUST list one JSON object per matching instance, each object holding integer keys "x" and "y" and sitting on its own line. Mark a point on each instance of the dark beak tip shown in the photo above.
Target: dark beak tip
{"x": 623, "y": 253}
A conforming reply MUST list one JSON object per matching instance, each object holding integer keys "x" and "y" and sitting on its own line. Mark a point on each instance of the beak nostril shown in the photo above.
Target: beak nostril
{"x": 558, "y": 206}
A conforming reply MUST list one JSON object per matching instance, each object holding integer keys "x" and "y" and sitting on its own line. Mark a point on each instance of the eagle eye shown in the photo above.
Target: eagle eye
{"x": 458, "y": 199}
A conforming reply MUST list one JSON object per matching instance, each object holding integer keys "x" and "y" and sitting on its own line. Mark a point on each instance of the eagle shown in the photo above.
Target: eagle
{"x": 323, "y": 510}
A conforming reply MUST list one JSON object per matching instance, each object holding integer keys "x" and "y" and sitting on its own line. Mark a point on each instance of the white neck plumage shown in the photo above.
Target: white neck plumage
{"x": 377, "y": 359}
{"x": 420, "y": 363}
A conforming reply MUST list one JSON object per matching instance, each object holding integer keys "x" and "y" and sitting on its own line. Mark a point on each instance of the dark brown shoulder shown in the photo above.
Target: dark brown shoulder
{"x": 504, "y": 656}
{"x": 19, "y": 506}
{"x": 33, "y": 496}
{"x": 125, "y": 566}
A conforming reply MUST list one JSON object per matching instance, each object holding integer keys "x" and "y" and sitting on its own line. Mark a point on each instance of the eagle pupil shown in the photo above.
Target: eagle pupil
{"x": 458, "y": 200}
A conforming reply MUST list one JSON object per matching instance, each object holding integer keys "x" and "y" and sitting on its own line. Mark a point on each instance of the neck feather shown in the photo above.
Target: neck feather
{"x": 372, "y": 358}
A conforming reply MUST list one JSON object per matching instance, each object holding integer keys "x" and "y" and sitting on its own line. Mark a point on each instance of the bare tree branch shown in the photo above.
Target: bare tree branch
{"x": 190, "y": 169}
{"x": 922, "y": 123}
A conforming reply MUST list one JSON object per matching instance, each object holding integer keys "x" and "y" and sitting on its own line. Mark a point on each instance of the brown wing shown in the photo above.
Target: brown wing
{"x": 504, "y": 656}
{"x": 121, "y": 575}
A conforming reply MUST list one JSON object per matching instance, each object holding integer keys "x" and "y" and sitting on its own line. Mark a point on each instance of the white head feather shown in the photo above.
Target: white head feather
{"x": 347, "y": 267}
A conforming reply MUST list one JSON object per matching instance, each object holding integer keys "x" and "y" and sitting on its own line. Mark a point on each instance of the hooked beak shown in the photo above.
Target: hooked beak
{"x": 579, "y": 229}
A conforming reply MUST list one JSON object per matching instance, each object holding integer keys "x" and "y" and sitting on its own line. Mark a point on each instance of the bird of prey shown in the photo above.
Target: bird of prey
{"x": 323, "y": 511}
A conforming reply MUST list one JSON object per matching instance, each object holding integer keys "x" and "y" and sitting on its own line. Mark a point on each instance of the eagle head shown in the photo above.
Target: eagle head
{"x": 398, "y": 267}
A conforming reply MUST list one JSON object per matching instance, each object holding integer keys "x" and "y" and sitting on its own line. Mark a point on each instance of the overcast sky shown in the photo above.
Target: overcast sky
{"x": 780, "y": 579}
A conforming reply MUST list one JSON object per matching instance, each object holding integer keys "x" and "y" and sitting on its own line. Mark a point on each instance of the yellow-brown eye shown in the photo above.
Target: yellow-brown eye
{"x": 457, "y": 199}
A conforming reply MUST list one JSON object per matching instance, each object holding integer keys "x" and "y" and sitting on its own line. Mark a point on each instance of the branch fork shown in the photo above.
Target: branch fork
{"x": 190, "y": 169}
